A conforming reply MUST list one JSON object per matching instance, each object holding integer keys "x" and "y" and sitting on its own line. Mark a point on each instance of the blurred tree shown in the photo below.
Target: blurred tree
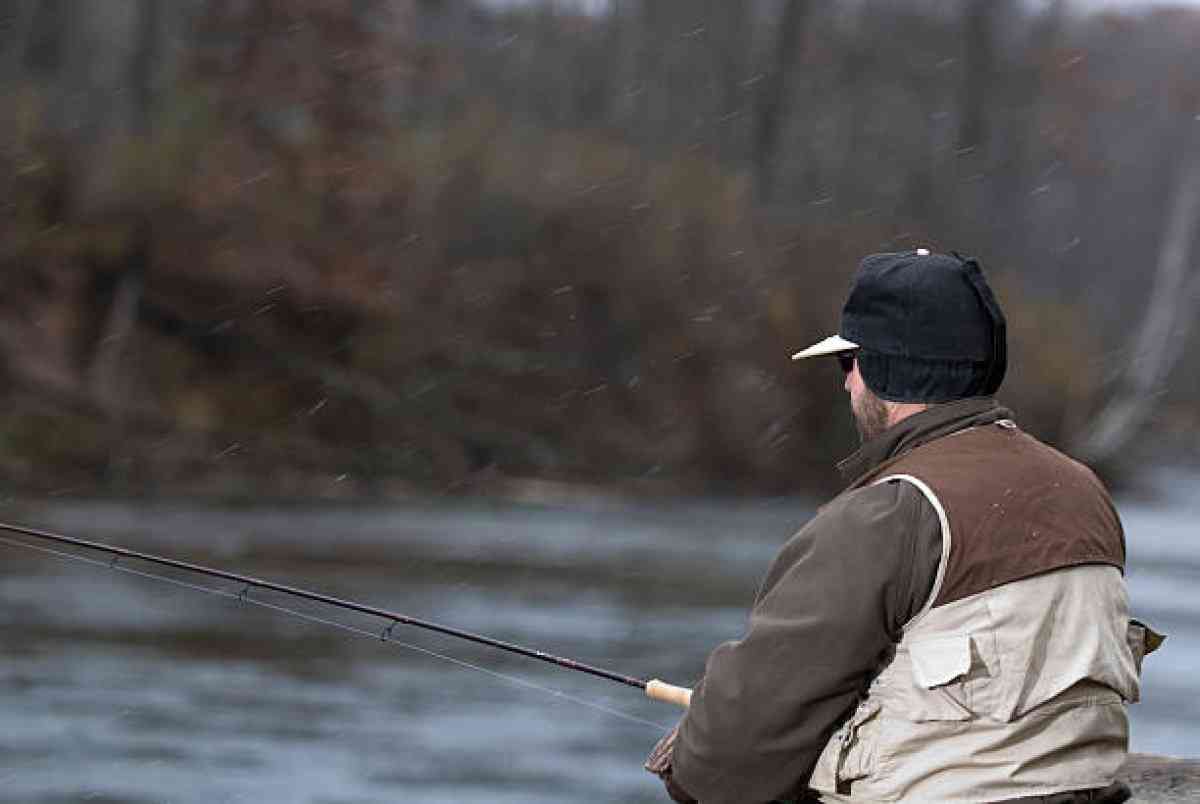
{"x": 444, "y": 240}
{"x": 1166, "y": 321}
{"x": 106, "y": 368}
{"x": 772, "y": 111}
{"x": 980, "y": 74}
{"x": 44, "y": 44}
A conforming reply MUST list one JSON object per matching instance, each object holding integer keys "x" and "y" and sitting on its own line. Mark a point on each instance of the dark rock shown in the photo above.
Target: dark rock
{"x": 1156, "y": 779}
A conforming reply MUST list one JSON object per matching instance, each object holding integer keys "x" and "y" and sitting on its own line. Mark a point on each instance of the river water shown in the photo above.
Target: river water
{"x": 119, "y": 688}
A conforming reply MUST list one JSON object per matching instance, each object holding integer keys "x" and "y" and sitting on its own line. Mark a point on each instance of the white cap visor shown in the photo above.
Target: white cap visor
{"x": 830, "y": 346}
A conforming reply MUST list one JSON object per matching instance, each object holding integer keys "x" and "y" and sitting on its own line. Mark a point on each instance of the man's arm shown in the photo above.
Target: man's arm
{"x": 833, "y": 602}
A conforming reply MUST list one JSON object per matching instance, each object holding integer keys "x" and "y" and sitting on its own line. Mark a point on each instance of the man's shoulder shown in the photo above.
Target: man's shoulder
{"x": 886, "y": 533}
{"x": 886, "y": 496}
{"x": 974, "y": 454}
{"x": 1064, "y": 459}
{"x": 861, "y": 515}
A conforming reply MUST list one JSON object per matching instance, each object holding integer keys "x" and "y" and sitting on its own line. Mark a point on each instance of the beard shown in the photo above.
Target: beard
{"x": 870, "y": 415}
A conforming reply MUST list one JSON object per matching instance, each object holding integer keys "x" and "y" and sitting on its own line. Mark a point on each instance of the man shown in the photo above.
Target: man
{"x": 952, "y": 627}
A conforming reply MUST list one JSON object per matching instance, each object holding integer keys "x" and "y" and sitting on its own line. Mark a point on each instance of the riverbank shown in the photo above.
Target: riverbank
{"x": 1159, "y": 779}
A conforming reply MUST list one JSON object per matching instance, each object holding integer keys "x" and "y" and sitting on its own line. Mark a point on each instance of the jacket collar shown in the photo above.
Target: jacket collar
{"x": 921, "y": 428}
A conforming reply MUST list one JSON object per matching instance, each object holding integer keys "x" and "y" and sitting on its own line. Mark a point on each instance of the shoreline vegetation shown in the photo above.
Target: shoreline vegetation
{"x": 294, "y": 249}
{"x": 324, "y": 489}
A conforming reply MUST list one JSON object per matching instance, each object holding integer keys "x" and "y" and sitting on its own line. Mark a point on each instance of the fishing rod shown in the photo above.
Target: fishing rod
{"x": 654, "y": 688}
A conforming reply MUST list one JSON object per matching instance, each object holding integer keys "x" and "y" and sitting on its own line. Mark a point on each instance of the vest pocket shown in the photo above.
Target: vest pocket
{"x": 950, "y": 679}
{"x": 858, "y": 741}
{"x": 852, "y": 751}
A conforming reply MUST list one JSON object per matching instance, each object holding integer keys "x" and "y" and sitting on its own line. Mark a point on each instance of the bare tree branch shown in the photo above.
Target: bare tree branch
{"x": 1159, "y": 343}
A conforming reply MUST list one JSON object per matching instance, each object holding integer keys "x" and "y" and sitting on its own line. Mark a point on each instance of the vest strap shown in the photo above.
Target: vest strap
{"x": 944, "y": 521}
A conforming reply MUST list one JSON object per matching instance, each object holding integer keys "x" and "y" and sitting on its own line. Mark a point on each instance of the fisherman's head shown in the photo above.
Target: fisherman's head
{"x": 918, "y": 329}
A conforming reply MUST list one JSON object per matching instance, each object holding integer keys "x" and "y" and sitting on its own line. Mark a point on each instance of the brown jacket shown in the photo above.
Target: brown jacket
{"x": 832, "y": 605}
{"x": 1014, "y": 682}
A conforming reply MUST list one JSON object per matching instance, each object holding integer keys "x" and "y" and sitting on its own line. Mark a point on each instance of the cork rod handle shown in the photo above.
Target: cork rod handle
{"x": 662, "y": 691}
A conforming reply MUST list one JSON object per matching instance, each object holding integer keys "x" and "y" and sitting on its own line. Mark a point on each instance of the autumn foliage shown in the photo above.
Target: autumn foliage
{"x": 342, "y": 247}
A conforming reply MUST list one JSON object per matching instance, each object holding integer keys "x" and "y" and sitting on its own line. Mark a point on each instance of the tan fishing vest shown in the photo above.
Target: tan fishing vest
{"x": 1012, "y": 680}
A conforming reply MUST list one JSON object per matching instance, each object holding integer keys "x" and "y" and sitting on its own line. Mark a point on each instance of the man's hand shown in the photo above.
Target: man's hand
{"x": 659, "y": 763}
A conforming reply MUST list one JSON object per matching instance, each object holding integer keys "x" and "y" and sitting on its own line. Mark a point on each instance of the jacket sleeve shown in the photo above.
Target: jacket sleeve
{"x": 833, "y": 602}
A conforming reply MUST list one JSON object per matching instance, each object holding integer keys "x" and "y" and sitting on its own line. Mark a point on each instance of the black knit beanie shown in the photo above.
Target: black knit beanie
{"x": 928, "y": 327}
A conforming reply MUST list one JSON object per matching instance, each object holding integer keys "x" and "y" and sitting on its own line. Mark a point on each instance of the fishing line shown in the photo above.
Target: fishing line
{"x": 653, "y": 688}
{"x": 243, "y": 596}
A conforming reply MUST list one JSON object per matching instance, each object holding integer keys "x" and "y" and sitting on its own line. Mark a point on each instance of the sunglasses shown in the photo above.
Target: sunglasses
{"x": 846, "y": 360}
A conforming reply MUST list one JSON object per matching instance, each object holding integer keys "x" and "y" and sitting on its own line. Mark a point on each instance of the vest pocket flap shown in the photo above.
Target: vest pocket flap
{"x": 1142, "y": 640}
{"x": 859, "y": 743}
{"x": 940, "y": 660}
